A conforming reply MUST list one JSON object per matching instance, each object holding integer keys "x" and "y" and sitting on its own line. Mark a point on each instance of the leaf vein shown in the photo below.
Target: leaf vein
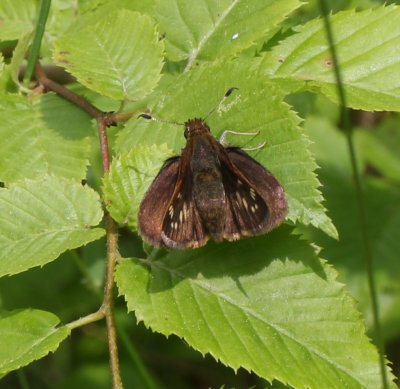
{"x": 275, "y": 326}
{"x": 205, "y": 321}
{"x": 207, "y": 36}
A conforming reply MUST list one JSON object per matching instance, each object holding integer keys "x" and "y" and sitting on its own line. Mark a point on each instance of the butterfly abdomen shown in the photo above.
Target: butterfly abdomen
{"x": 208, "y": 189}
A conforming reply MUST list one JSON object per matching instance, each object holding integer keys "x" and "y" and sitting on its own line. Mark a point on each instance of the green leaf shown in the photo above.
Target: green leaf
{"x": 383, "y": 224}
{"x": 5, "y": 81}
{"x": 267, "y": 304}
{"x": 18, "y": 57}
{"x": 129, "y": 177}
{"x": 364, "y": 42}
{"x": 120, "y": 56}
{"x": 16, "y": 18}
{"x": 204, "y": 30}
{"x": 48, "y": 136}
{"x": 42, "y": 218}
{"x": 27, "y": 335}
{"x": 256, "y": 106}
{"x": 103, "y": 8}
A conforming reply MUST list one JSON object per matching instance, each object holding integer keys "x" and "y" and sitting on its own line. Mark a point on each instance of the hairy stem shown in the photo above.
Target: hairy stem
{"x": 108, "y": 302}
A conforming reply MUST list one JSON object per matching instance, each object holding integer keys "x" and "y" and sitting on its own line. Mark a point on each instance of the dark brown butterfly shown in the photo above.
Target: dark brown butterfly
{"x": 209, "y": 192}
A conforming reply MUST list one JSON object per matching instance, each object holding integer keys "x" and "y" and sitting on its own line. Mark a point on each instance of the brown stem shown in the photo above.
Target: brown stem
{"x": 112, "y": 256}
{"x": 105, "y": 154}
{"x": 108, "y": 118}
{"x": 103, "y": 120}
{"x": 108, "y": 302}
{"x": 66, "y": 93}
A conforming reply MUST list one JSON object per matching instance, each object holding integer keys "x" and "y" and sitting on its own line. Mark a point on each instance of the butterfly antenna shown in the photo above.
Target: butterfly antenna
{"x": 151, "y": 117}
{"x": 227, "y": 94}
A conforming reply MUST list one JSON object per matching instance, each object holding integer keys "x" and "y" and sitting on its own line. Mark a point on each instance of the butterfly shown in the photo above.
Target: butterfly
{"x": 209, "y": 191}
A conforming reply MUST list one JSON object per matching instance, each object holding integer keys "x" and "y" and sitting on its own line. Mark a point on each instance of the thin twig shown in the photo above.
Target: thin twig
{"x": 109, "y": 118}
{"x": 66, "y": 93}
{"x": 112, "y": 257}
{"x": 368, "y": 258}
{"x": 105, "y": 154}
{"x": 91, "y": 318}
{"x": 108, "y": 302}
{"x": 106, "y": 309}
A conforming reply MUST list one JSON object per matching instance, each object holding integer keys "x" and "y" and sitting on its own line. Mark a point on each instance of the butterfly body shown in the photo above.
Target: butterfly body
{"x": 209, "y": 192}
{"x": 208, "y": 189}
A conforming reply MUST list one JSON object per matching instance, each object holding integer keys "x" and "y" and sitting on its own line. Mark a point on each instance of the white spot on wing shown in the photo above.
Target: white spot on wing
{"x": 185, "y": 211}
{"x": 239, "y": 199}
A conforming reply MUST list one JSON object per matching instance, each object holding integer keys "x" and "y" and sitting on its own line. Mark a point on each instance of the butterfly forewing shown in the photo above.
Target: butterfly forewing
{"x": 156, "y": 202}
{"x": 182, "y": 226}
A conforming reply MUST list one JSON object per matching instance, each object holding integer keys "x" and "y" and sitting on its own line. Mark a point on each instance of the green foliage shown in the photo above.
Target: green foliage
{"x": 102, "y": 62}
{"x": 46, "y": 136}
{"x": 42, "y": 218}
{"x": 270, "y": 304}
{"x": 382, "y": 201}
{"x": 16, "y": 18}
{"x": 19, "y": 55}
{"x": 130, "y": 175}
{"x": 248, "y": 307}
{"x": 220, "y": 27}
{"x": 364, "y": 45}
{"x": 22, "y": 344}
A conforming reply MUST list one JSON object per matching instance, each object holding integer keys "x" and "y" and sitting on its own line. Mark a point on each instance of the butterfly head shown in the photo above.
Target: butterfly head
{"x": 195, "y": 126}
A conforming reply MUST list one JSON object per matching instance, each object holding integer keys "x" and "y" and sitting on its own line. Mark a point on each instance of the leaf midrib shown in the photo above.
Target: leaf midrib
{"x": 206, "y": 37}
{"x": 279, "y": 330}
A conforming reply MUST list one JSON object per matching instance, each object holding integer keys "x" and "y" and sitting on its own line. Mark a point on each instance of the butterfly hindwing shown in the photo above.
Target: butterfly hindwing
{"x": 256, "y": 201}
{"x": 246, "y": 212}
